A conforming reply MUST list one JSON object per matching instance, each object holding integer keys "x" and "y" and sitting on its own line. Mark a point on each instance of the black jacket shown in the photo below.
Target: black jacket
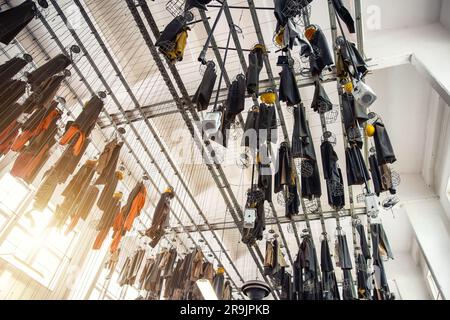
{"x": 14, "y": 20}
{"x": 344, "y": 14}
{"x": 288, "y": 91}
{"x": 383, "y": 146}
{"x": 52, "y": 67}
{"x": 321, "y": 56}
{"x": 236, "y": 98}
{"x": 321, "y": 103}
{"x": 357, "y": 173}
{"x": 203, "y": 94}
{"x": 10, "y": 69}
{"x": 255, "y": 65}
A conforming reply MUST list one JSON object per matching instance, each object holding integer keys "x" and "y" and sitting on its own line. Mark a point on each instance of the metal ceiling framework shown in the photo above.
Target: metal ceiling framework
{"x": 243, "y": 63}
{"x": 73, "y": 92}
{"x": 203, "y": 144}
{"x": 155, "y": 135}
{"x": 184, "y": 105}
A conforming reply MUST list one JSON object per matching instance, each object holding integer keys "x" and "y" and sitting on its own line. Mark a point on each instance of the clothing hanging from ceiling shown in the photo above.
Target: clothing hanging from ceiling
{"x": 32, "y": 157}
{"x": 364, "y": 283}
{"x": 255, "y": 200}
{"x": 381, "y": 250}
{"x": 362, "y": 241}
{"x": 84, "y": 207}
{"x": 107, "y": 162}
{"x": 357, "y": 173}
{"x": 283, "y": 165}
{"x": 131, "y": 267}
{"x": 288, "y": 91}
{"x": 58, "y": 174}
{"x": 303, "y": 147}
{"x": 292, "y": 203}
{"x": 343, "y": 260}
{"x": 172, "y": 40}
{"x": 43, "y": 95}
{"x": 362, "y": 278}
{"x": 199, "y": 4}
{"x": 265, "y": 180}
{"x": 330, "y": 289}
{"x": 267, "y": 125}
{"x": 251, "y": 129}
{"x": 350, "y": 58}
{"x": 300, "y": 137}
{"x": 236, "y": 98}
{"x": 289, "y": 35}
{"x": 9, "y": 123}
{"x": 354, "y": 116}
{"x": 49, "y": 69}
{"x": 285, "y": 9}
{"x": 203, "y": 94}
{"x": 274, "y": 260}
{"x": 81, "y": 128}
{"x": 306, "y": 282}
{"x": 10, "y": 69}
{"x": 161, "y": 218}
{"x": 321, "y": 102}
{"x": 132, "y": 209}
{"x": 14, "y": 20}
{"x": 218, "y": 284}
{"x": 255, "y": 65}
{"x": 74, "y": 193}
{"x": 111, "y": 208}
{"x": 383, "y": 146}
{"x": 37, "y": 123}
{"x": 109, "y": 190}
{"x": 333, "y": 175}
{"x": 8, "y": 98}
{"x": 287, "y": 292}
{"x": 8, "y": 136}
{"x": 344, "y": 14}
{"x": 320, "y": 57}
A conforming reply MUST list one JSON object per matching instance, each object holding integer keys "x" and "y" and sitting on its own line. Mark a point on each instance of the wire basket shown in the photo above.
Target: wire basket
{"x": 284, "y": 198}
{"x": 330, "y": 137}
{"x": 332, "y": 115}
{"x": 312, "y": 206}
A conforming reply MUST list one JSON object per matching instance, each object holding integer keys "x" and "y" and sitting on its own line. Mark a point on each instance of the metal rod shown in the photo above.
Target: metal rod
{"x": 201, "y": 57}
{"x": 326, "y": 215}
{"x": 242, "y": 7}
{"x": 221, "y": 73}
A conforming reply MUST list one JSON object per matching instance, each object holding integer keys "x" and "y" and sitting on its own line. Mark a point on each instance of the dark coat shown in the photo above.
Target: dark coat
{"x": 203, "y": 94}
{"x": 10, "y": 69}
{"x": 52, "y": 67}
{"x": 14, "y": 20}
{"x": 288, "y": 91}
{"x": 383, "y": 146}
{"x": 344, "y": 14}
{"x": 321, "y": 102}
{"x": 255, "y": 65}
{"x": 321, "y": 56}
{"x": 357, "y": 173}
{"x": 236, "y": 98}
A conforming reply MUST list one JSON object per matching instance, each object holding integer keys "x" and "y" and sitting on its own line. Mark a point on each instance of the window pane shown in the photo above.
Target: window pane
{"x": 46, "y": 263}
{"x": 12, "y": 192}
{"x": 18, "y": 244}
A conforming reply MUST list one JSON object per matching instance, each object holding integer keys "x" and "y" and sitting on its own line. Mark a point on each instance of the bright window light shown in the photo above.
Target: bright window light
{"x": 12, "y": 192}
{"x": 206, "y": 289}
